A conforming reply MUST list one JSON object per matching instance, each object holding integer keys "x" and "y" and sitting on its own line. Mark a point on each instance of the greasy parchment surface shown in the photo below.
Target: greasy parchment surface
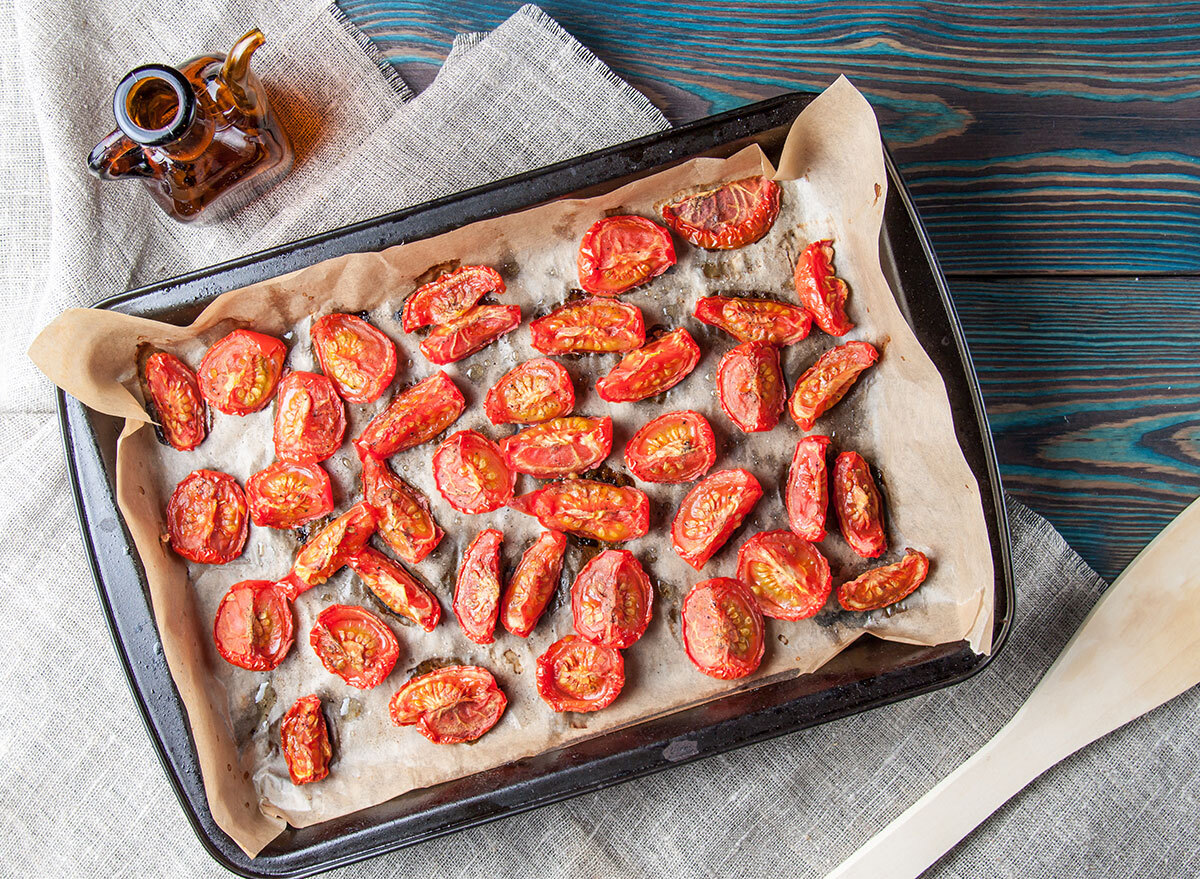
{"x": 898, "y": 417}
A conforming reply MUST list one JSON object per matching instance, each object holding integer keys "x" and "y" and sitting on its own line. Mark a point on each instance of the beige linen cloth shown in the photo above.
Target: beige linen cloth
{"x": 81, "y": 793}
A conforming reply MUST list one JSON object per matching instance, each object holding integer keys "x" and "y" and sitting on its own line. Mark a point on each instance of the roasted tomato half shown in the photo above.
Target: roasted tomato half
{"x": 450, "y": 705}
{"x": 402, "y": 513}
{"x": 823, "y": 293}
{"x": 712, "y": 511}
{"x": 859, "y": 507}
{"x": 477, "y": 591}
{"x": 450, "y": 296}
{"x": 559, "y": 447}
{"x": 755, "y": 320}
{"x": 310, "y": 419}
{"x": 730, "y": 216}
{"x": 676, "y": 447}
{"x": 598, "y": 326}
{"x": 619, "y": 253}
{"x": 723, "y": 628}
{"x": 470, "y": 332}
{"x": 807, "y": 495}
{"x": 396, "y": 588}
{"x": 354, "y": 644}
{"x": 206, "y": 517}
{"x": 357, "y": 357}
{"x": 305, "y": 741}
{"x": 287, "y": 495}
{"x": 750, "y": 385}
{"x": 603, "y": 512}
{"x": 828, "y": 380}
{"x": 415, "y": 416}
{"x": 331, "y": 548}
{"x": 612, "y": 600}
{"x": 651, "y": 370}
{"x": 533, "y": 584}
{"x": 469, "y": 471}
{"x": 238, "y": 374}
{"x": 535, "y": 391}
{"x": 787, "y": 574}
{"x": 175, "y": 396}
{"x": 576, "y": 675}
{"x": 880, "y": 587}
{"x": 253, "y": 628}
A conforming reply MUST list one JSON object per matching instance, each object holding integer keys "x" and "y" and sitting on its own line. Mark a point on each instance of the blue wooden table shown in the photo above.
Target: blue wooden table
{"x": 1053, "y": 152}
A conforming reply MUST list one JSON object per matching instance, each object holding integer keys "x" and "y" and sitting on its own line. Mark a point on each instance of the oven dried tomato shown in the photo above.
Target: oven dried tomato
{"x": 470, "y": 332}
{"x": 559, "y": 447}
{"x": 880, "y": 587}
{"x": 723, "y": 628}
{"x": 537, "y": 390}
{"x": 711, "y": 512}
{"x": 305, "y": 741}
{"x": 286, "y": 495}
{"x": 822, "y": 293}
{"x": 331, "y": 548}
{"x": 533, "y": 584}
{"x": 828, "y": 380}
{"x": 310, "y": 418}
{"x": 414, "y": 416}
{"x": 755, "y": 320}
{"x": 727, "y": 217}
{"x": 584, "y": 507}
{"x": 598, "y": 326}
{"x": 477, "y": 590}
{"x": 859, "y": 507}
{"x": 354, "y": 644}
{"x": 175, "y": 397}
{"x": 402, "y": 513}
{"x": 396, "y": 588}
{"x": 788, "y": 575}
{"x": 469, "y": 471}
{"x": 450, "y": 296}
{"x": 807, "y": 494}
{"x": 576, "y": 675}
{"x": 238, "y": 374}
{"x": 253, "y": 628}
{"x": 206, "y": 517}
{"x": 750, "y": 385}
{"x": 450, "y": 705}
{"x": 358, "y": 358}
{"x": 676, "y": 447}
{"x": 612, "y": 600}
{"x": 622, "y": 252}
{"x": 651, "y": 370}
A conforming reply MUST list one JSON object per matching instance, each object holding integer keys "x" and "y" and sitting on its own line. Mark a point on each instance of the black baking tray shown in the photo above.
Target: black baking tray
{"x": 868, "y": 674}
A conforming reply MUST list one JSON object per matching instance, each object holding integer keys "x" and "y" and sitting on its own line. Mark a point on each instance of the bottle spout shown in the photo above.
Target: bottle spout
{"x": 236, "y": 70}
{"x": 117, "y": 156}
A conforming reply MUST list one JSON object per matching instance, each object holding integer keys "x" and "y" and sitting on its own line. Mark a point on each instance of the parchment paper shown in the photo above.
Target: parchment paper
{"x": 898, "y": 417}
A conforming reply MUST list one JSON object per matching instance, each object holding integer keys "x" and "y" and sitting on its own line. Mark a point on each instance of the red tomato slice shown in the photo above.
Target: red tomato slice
{"x": 597, "y": 510}
{"x": 559, "y": 447}
{"x": 533, "y": 584}
{"x": 821, "y": 292}
{"x": 750, "y": 384}
{"x": 331, "y": 548}
{"x": 676, "y": 447}
{"x": 470, "y": 332}
{"x": 859, "y": 507}
{"x": 711, "y": 512}
{"x": 574, "y": 675}
{"x": 723, "y": 628}
{"x": 415, "y": 416}
{"x": 651, "y": 370}
{"x": 206, "y": 517}
{"x": 828, "y": 380}
{"x": 597, "y": 326}
{"x": 807, "y": 495}
{"x": 239, "y": 373}
{"x": 288, "y": 495}
{"x": 881, "y": 587}
{"x": 755, "y": 320}
{"x": 305, "y": 741}
{"x": 402, "y": 513}
{"x": 537, "y": 390}
{"x": 730, "y": 216}
{"x": 477, "y": 591}
{"x": 358, "y": 358}
{"x": 612, "y": 600}
{"x": 354, "y": 644}
{"x": 450, "y": 296}
{"x": 310, "y": 419}
{"x": 469, "y": 471}
{"x": 788, "y": 575}
{"x": 253, "y": 628}
{"x": 619, "y": 253}
{"x": 176, "y": 402}
{"x": 396, "y": 588}
{"x": 449, "y": 705}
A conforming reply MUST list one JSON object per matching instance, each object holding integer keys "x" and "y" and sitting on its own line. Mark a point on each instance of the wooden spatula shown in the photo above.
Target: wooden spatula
{"x": 1138, "y": 648}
